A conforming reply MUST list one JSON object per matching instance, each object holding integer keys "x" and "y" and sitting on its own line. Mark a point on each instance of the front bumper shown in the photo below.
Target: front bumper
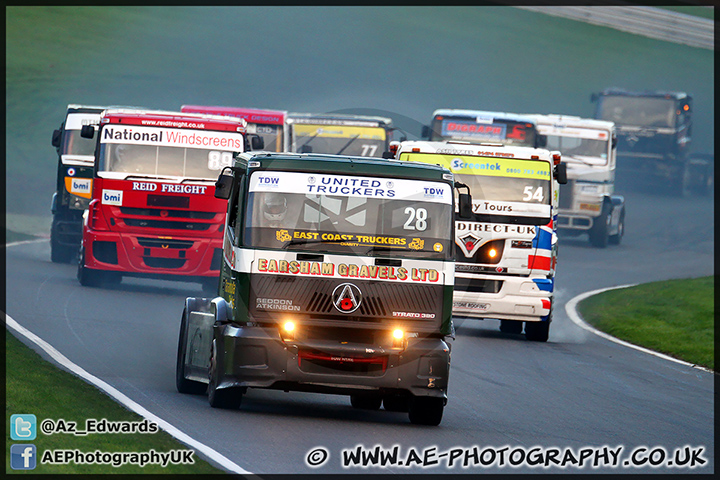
{"x": 150, "y": 255}
{"x": 519, "y": 298}
{"x": 258, "y": 357}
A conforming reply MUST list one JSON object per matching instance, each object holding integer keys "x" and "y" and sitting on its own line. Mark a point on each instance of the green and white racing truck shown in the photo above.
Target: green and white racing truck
{"x": 337, "y": 278}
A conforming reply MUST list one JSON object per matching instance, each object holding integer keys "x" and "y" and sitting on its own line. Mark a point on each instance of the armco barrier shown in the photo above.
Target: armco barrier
{"x": 651, "y": 22}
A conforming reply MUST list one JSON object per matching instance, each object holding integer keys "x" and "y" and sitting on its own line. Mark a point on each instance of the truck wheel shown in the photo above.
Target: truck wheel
{"x": 396, "y": 403}
{"x": 59, "y": 253}
{"x": 183, "y": 384}
{"x": 537, "y": 331}
{"x": 366, "y": 402}
{"x": 601, "y": 226}
{"x": 426, "y": 411}
{"x": 680, "y": 185}
{"x": 511, "y": 326}
{"x": 617, "y": 238}
{"x": 87, "y": 276}
{"x": 229, "y": 398}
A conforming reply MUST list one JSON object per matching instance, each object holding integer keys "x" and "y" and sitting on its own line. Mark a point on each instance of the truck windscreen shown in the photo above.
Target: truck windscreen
{"x": 154, "y": 151}
{"x": 339, "y": 140}
{"x": 350, "y": 214}
{"x": 507, "y": 190}
{"x": 580, "y": 145}
{"x": 480, "y": 130}
{"x": 74, "y": 144}
{"x": 641, "y": 111}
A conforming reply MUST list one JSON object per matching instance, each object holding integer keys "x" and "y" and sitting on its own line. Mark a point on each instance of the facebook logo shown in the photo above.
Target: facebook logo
{"x": 23, "y": 427}
{"x": 22, "y": 457}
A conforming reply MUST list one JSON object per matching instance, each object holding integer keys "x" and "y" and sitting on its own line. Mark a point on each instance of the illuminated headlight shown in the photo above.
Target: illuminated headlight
{"x": 288, "y": 330}
{"x": 492, "y": 253}
{"x": 398, "y": 338}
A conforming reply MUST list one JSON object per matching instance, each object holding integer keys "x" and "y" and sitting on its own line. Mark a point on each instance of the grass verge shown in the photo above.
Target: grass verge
{"x": 39, "y": 388}
{"x": 674, "y": 317}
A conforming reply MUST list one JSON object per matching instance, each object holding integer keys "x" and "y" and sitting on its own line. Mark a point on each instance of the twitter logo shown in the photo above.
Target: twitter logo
{"x": 23, "y": 427}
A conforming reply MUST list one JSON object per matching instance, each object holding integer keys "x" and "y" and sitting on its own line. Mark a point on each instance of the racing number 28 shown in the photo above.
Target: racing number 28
{"x": 419, "y": 216}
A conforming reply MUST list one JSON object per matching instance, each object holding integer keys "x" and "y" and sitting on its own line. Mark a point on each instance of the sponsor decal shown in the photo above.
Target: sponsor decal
{"x": 348, "y": 270}
{"x": 280, "y": 304}
{"x": 346, "y": 297}
{"x": 483, "y": 307}
{"x": 351, "y": 186}
{"x": 485, "y": 130}
{"x": 495, "y": 228}
{"x": 171, "y": 137}
{"x": 75, "y": 121}
{"x": 485, "y": 163}
{"x": 413, "y": 315}
{"x": 352, "y": 239}
{"x": 82, "y": 187}
{"x": 71, "y": 172}
{"x": 340, "y": 131}
{"x": 112, "y": 197}
{"x": 169, "y": 188}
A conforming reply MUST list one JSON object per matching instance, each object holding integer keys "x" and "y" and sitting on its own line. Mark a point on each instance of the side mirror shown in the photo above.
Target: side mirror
{"x": 593, "y": 97}
{"x": 425, "y": 133}
{"x": 256, "y": 142}
{"x": 56, "y": 138}
{"x": 87, "y": 131}
{"x": 388, "y": 155}
{"x": 614, "y": 141}
{"x": 464, "y": 201}
{"x": 541, "y": 141}
{"x": 561, "y": 173}
{"x": 306, "y": 149}
{"x": 223, "y": 186}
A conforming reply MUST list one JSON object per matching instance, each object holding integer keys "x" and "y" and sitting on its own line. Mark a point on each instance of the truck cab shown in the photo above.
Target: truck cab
{"x": 337, "y": 278}
{"x": 153, "y": 211}
{"x": 506, "y": 247}
{"x": 654, "y": 130}
{"x": 588, "y": 203}
{"x": 73, "y": 189}
{"x": 482, "y": 126}
{"x": 338, "y": 134}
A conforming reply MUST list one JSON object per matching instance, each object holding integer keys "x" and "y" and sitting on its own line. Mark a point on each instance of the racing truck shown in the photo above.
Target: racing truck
{"x": 337, "y": 278}
{"x": 153, "y": 211}
{"x": 588, "y": 203}
{"x": 338, "y": 134}
{"x": 654, "y": 136}
{"x": 481, "y": 126}
{"x": 73, "y": 188}
{"x": 506, "y": 251}
{"x": 267, "y": 124}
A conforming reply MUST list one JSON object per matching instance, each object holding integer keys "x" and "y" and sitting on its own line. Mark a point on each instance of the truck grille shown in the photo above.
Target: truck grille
{"x": 161, "y": 243}
{"x": 157, "y": 212}
{"x": 380, "y": 300}
{"x": 192, "y": 226}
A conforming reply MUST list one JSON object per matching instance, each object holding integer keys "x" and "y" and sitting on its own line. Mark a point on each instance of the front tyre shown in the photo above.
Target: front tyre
{"x": 59, "y": 253}
{"x": 87, "y": 276}
{"x": 537, "y": 331}
{"x": 183, "y": 384}
{"x": 599, "y": 232}
{"x": 426, "y": 411}
{"x": 617, "y": 238}
{"x": 229, "y": 398}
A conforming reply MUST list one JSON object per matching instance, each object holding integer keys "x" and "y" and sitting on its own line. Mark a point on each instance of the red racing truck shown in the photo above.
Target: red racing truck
{"x": 153, "y": 211}
{"x": 267, "y": 124}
